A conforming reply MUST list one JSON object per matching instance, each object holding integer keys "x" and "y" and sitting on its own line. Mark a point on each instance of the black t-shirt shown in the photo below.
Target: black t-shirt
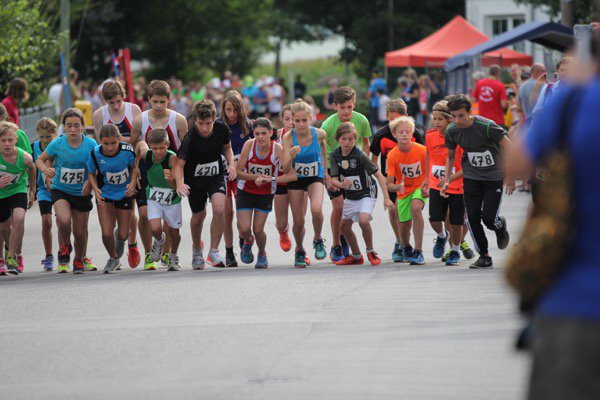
{"x": 358, "y": 168}
{"x": 202, "y": 155}
{"x": 299, "y": 89}
{"x": 413, "y": 103}
{"x": 383, "y": 142}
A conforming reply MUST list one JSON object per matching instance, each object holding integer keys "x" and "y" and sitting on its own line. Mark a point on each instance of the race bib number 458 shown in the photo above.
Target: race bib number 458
{"x": 258, "y": 169}
{"x": 411, "y": 170}
{"x": 481, "y": 160}
{"x": 70, "y": 176}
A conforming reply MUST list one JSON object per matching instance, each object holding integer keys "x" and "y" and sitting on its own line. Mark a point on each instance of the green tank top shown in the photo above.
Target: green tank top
{"x": 18, "y": 171}
{"x": 158, "y": 188}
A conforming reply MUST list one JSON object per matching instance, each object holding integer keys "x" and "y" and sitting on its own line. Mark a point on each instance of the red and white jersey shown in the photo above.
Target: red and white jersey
{"x": 171, "y": 129}
{"x": 125, "y": 124}
{"x": 260, "y": 166}
{"x": 280, "y": 164}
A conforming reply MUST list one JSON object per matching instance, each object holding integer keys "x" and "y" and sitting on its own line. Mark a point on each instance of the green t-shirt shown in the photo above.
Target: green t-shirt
{"x": 18, "y": 171}
{"x": 361, "y": 123}
{"x": 197, "y": 96}
{"x": 23, "y": 142}
{"x": 158, "y": 188}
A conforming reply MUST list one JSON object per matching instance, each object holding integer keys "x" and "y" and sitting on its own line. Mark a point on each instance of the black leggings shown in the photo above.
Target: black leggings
{"x": 482, "y": 201}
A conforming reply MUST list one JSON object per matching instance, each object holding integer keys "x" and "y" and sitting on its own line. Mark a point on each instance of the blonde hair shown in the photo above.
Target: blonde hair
{"x": 404, "y": 120}
{"x": 442, "y": 107}
{"x": 301, "y": 105}
{"x": 46, "y": 125}
{"x": 6, "y": 126}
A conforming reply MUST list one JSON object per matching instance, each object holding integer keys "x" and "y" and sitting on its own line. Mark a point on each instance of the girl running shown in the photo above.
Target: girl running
{"x": 258, "y": 178}
{"x": 71, "y": 189}
{"x": 17, "y": 193}
{"x": 305, "y": 151}
{"x": 113, "y": 178}
{"x": 281, "y": 195}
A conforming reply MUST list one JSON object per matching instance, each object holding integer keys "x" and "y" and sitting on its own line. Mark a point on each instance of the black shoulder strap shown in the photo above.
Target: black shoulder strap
{"x": 96, "y": 161}
{"x": 148, "y": 158}
{"x": 165, "y": 162}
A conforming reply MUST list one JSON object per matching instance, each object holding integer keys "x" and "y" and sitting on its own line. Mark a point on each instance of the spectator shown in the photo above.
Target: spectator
{"x": 436, "y": 93}
{"x": 550, "y": 89}
{"x": 198, "y": 92}
{"x": 376, "y": 83}
{"x": 181, "y": 103}
{"x": 74, "y": 94}
{"x": 235, "y": 82}
{"x": 17, "y": 92}
{"x": 54, "y": 94}
{"x": 299, "y": 87}
{"x": 383, "y": 99}
{"x": 515, "y": 75}
{"x": 490, "y": 93}
{"x": 226, "y": 82}
{"x": 275, "y": 96}
{"x": 413, "y": 94}
{"x": 260, "y": 98}
{"x": 328, "y": 99}
{"x": 423, "y": 100}
{"x": 525, "y": 91}
{"x": 248, "y": 92}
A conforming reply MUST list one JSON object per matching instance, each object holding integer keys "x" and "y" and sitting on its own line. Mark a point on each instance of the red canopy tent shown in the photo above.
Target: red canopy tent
{"x": 453, "y": 38}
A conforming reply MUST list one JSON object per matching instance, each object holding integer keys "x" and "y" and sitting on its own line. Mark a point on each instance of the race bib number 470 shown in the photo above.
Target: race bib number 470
{"x": 481, "y": 160}
{"x": 411, "y": 170}
{"x": 307, "y": 170}
{"x": 209, "y": 169}
{"x": 70, "y": 176}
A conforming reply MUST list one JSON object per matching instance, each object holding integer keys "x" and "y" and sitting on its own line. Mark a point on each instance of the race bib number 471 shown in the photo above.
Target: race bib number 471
{"x": 481, "y": 160}
{"x": 117, "y": 178}
{"x": 70, "y": 176}
{"x": 411, "y": 170}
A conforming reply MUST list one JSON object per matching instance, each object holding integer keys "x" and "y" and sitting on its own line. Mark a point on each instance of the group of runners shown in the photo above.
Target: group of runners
{"x": 151, "y": 160}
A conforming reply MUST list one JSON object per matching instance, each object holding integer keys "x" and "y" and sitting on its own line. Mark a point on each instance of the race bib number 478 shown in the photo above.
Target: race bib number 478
{"x": 481, "y": 160}
{"x": 411, "y": 170}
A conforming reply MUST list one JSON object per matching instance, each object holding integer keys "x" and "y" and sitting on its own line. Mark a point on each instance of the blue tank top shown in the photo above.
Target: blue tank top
{"x": 70, "y": 164}
{"x": 113, "y": 173}
{"x": 43, "y": 193}
{"x": 308, "y": 162}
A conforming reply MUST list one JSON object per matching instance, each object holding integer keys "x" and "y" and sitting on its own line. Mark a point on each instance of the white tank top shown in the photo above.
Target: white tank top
{"x": 171, "y": 128}
{"x": 125, "y": 124}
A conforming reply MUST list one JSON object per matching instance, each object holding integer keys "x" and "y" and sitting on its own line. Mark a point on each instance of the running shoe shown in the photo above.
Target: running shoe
{"x": 21, "y": 265}
{"x": 3, "y": 270}
{"x": 149, "y": 265}
{"x": 466, "y": 250}
{"x": 284, "y": 241}
{"x": 111, "y": 265}
{"x": 300, "y": 259}
{"x": 417, "y": 258}
{"x": 407, "y": 253}
{"x": 230, "y": 260}
{"x": 197, "y": 260}
{"x": 373, "y": 257}
{"x": 319, "y": 246}
{"x": 307, "y": 260}
{"x": 215, "y": 259}
{"x": 453, "y": 258}
{"x": 78, "y": 267}
{"x": 12, "y": 266}
{"x": 345, "y": 246}
{"x": 241, "y": 241}
{"x": 48, "y": 263}
{"x": 445, "y": 256}
{"x": 351, "y": 260}
{"x": 246, "y": 254}
{"x": 157, "y": 246}
{"x": 119, "y": 244}
{"x": 336, "y": 253}
{"x": 261, "y": 262}
{"x": 164, "y": 259}
{"x": 88, "y": 265}
{"x": 440, "y": 245}
{"x": 133, "y": 256}
{"x": 174, "y": 263}
{"x": 483, "y": 262}
{"x": 398, "y": 253}
{"x": 502, "y": 236}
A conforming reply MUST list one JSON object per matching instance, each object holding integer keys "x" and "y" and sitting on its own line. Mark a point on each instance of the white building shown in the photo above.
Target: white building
{"x": 494, "y": 17}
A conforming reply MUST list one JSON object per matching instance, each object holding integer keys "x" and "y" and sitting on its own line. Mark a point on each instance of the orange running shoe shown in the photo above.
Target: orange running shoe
{"x": 350, "y": 260}
{"x": 374, "y": 258}
{"x": 133, "y": 256}
{"x": 284, "y": 241}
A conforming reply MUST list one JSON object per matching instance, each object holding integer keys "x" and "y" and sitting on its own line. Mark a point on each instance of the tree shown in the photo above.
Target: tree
{"x": 582, "y": 9}
{"x": 29, "y": 47}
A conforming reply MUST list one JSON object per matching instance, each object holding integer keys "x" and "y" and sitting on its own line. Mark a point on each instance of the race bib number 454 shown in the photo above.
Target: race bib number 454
{"x": 411, "y": 170}
{"x": 481, "y": 160}
{"x": 70, "y": 176}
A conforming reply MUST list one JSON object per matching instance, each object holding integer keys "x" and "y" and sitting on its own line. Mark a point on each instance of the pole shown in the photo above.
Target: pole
{"x": 65, "y": 29}
{"x": 391, "y": 25}
{"x": 566, "y": 11}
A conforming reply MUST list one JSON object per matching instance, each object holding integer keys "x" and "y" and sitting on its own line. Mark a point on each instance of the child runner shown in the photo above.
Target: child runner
{"x": 17, "y": 193}
{"x": 344, "y": 102}
{"x": 484, "y": 173}
{"x": 450, "y": 208}
{"x": 352, "y": 172}
{"x": 406, "y": 166}
{"x": 233, "y": 113}
{"x": 281, "y": 203}
{"x": 163, "y": 202}
{"x": 71, "y": 189}
{"x": 305, "y": 150}
{"x": 122, "y": 114}
{"x": 200, "y": 174}
{"x": 257, "y": 173}
{"x": 113, "y": 179}
{"x": 46, "y": 129}
{"x": 159, "y": 116}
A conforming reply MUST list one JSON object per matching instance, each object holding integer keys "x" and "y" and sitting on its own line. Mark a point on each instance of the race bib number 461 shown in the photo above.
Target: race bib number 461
{"x": 481, "y": 160}
{"x": 411, "y": 170}
{"x": 70, "y": 176}
{"x": 307, "y": 170}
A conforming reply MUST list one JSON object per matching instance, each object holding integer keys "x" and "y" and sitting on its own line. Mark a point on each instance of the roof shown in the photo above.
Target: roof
{"x": 455, "y": 37}
{"x": 548, "y": 34}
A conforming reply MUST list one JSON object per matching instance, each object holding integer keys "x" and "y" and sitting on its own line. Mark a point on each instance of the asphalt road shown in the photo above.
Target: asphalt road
{"x": 328, "y": 332}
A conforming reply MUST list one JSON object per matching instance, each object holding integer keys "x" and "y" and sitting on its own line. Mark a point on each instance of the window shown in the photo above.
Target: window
{"x": 501, "y": 24}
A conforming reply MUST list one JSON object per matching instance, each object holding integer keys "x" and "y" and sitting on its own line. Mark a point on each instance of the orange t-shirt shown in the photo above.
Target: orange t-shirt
{"x": 409, "y": 165}
{"x": 436, "y": 148}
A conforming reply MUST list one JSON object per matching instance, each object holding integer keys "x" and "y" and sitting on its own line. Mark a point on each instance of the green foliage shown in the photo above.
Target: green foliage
{"x": 29, "y": 47}
{"x": 582, "y": 9}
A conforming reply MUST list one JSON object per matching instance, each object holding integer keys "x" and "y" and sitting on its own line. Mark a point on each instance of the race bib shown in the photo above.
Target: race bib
{"x": 439, "y": 171}
{"x": 70, "y": 176}
{"x": 117, "y": 178}
{"x": 13, "y": 178}
{"x": 210, "y": 169}
{"x": 356, "y": 184}
{"x": 307, "y": 170}
{"x": 411, "y": 170}
{"x": 162, "y": 195}
{"x": 258, "y": 169}
{"x": 481, "y": 160}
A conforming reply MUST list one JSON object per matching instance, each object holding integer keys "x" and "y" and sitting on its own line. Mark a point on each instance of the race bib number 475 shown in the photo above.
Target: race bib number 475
{"x": 70, "y": 176}
{"x": 411, "y": 170}
{"x": 481, "y": 160}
